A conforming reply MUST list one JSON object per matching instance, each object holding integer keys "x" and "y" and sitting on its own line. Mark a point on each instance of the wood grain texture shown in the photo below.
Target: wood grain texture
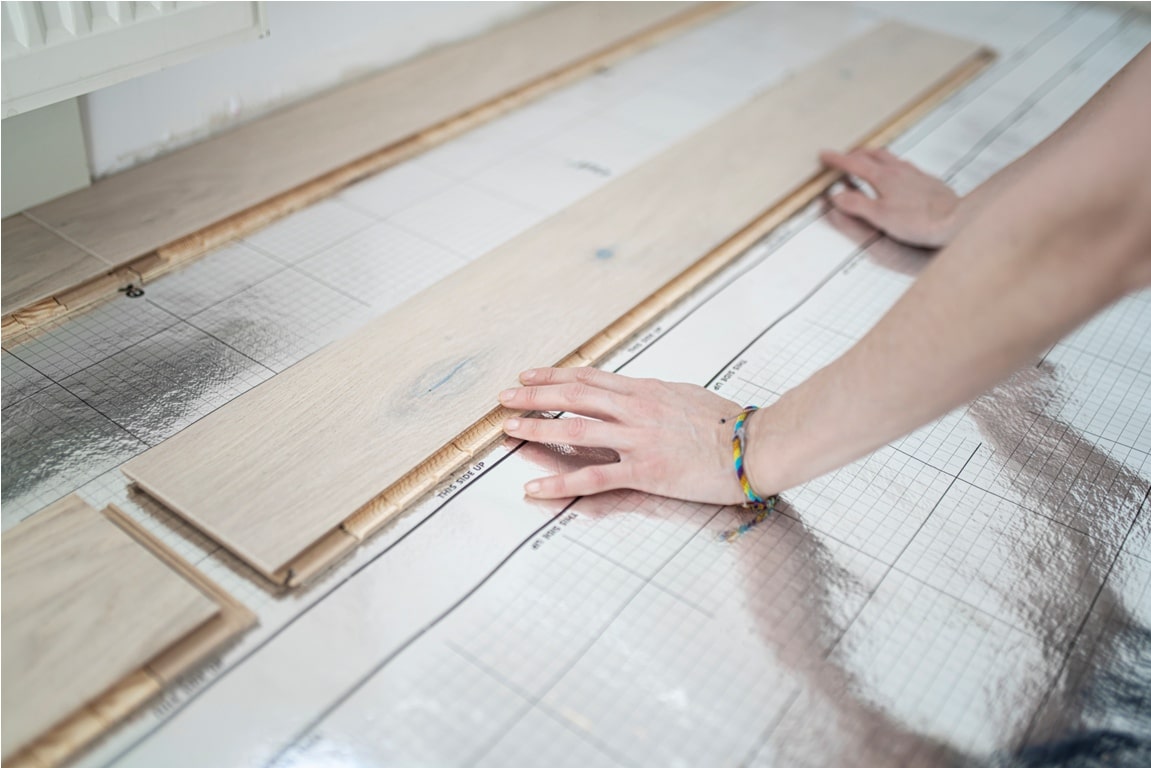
{"x": 423, "y": 478}
{"x": 277, "y": 469}
{"x": 97, "y": 616}
{"x": 231, "y": 619}
{"x": 37, "y": 262}
{"x": 159, "y": 215}
{"x": 132, "y": 213}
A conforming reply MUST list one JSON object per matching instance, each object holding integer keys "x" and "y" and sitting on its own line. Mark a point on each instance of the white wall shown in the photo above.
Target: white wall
{"x": 313, "y": 46}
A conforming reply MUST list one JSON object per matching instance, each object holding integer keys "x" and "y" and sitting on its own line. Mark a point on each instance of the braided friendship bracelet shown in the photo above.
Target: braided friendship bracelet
{"x": 738, "y": 449}
{"x": 762, "y": 507}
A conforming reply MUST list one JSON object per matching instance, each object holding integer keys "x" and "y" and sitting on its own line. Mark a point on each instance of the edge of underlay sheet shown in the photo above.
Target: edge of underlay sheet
{"x": 897, "y": 97}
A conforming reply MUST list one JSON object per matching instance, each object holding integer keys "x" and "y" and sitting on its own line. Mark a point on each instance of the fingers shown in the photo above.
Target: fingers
{"x": 857, "y": 163}
{"x": 580, "y": 432}
{"x": 575, "y": 397}
{"x": 582, "y": 482}
{"x": 856, "y": 204}
{"x": 593, "y": 377}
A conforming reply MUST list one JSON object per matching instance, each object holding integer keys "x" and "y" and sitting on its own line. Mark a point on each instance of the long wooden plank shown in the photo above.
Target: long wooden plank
{"x": 94, "y": 625}
{"x": 277, "y": 469}
{"x": 160, "y": 214}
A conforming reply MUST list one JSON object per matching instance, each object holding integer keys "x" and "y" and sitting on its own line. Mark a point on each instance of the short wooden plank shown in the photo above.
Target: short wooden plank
{"x": 232, "y": 618}
{"x": 38, "y": 263}
{"x": 97, "y": 616}
{"x": 285, "y": 464}
{"x": 132, "y": 213}
{"x": 83, "y": 606}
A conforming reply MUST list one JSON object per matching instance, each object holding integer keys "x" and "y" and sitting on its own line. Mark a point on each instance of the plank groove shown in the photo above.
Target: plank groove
{"x": 352, "y": 421}
{"x": 159, "y": 215}
{"x": 97, "y": 617}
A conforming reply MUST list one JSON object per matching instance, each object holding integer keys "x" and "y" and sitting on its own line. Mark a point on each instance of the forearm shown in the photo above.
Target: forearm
{"x": 1064, "y": 238}
{"x": 1063, "y": 235}
{"x": 979, "y": 198}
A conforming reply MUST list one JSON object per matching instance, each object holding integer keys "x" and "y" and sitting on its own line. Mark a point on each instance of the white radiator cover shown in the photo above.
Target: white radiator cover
{"x": 53, "y": 51}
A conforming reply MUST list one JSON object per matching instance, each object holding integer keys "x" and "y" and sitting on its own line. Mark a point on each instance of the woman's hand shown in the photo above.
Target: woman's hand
{"x": 911, "y": 206}
{"x": 672, "y": 439}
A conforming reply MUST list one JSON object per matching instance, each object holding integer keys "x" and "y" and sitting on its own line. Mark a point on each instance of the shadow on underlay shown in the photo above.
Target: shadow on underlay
{"x": 798, "y": 607}
{"x": 1079, "y": 696}
{"x": 1098, "y": 711}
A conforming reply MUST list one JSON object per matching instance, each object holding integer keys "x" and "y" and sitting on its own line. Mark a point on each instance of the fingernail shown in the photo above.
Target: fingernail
{"x": 529, "y": 375}
{"x": 511, "y": 425}
{"x": 533, "y": 487}
{"x": 507, "y": 395}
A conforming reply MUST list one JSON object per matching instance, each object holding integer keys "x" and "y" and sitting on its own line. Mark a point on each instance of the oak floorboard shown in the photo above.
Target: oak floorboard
{"x": 85, "y": 608}
{"x": 133, "y": 213}
{"x": 285, "y": 464}
{"x": 38, "y": 263}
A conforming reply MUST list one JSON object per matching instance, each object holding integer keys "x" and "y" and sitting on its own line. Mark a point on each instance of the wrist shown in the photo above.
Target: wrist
{"x": 951, "y": 221}
{"x": 764, "y": 463}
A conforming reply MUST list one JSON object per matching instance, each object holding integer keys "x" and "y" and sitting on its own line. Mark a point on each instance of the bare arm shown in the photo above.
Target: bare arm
{"x": 918, "y": 209}
{"x": 1065, "y": 236}
{"x": 1061, "y": 236}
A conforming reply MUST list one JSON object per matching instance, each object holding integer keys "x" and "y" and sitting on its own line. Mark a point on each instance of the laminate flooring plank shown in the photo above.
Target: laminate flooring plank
{"x": 286, "y": 463}
{"x": 84, "y": 606}
{"x": 130, "y": 214}
{"x": 38, "y": 263}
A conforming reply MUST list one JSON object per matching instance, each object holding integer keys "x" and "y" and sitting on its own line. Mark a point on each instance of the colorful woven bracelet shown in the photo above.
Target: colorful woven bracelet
{"x": 738, "y": 449}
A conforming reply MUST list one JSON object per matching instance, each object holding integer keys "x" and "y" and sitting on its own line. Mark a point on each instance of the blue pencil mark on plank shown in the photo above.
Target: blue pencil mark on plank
{"x": 448, "y": 378}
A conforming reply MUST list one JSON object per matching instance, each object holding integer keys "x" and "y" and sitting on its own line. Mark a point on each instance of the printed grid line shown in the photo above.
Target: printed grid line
{"x": 207, "y": 559}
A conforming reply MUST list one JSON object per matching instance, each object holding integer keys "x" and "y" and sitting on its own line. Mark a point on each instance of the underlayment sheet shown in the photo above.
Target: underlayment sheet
{"x": 978, "y": 591}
